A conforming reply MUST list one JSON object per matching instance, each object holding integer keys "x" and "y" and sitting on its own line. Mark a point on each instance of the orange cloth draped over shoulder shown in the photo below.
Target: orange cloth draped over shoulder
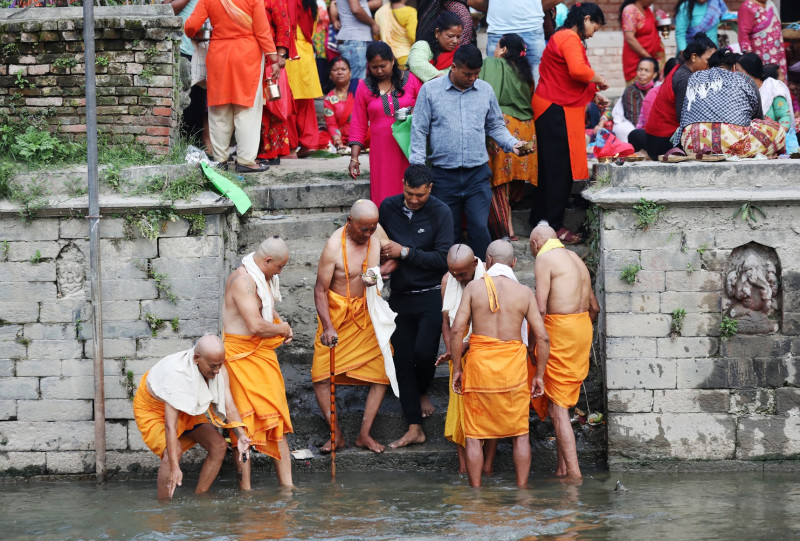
{"x": 565, "y": 80}
{"x": 570, "y": 346}
{"x": 236, "y": 48}
{"x": 359, "y": 360}
{"x": 149, "y": 413}
{"x": 258, "y": 389}
{"x": 495, "y": 384}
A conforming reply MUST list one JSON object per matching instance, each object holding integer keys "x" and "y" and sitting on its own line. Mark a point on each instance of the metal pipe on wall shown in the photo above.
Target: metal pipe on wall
{"x": 94, "y": 241}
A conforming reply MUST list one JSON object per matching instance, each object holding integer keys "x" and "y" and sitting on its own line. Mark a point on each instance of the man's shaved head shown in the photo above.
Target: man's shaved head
{"x": 363, "y": 209}
{"x": 501, "y": 251}
{"x": 459, "y": 253}
{"x": 274, "y": 247}
{"x": 461, "y": 263}
{"x": 541, "y": 234}
{"x": 209, "y": 345}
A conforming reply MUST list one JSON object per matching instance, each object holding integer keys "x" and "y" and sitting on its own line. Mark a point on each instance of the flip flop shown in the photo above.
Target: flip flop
{"x": 513, "y": 238}
{"x": 676, "y": 155}
{"x": 568, "y": 237}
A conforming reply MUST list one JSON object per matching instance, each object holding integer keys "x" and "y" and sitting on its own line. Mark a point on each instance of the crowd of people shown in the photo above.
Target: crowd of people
{"x": 368, "y": 63}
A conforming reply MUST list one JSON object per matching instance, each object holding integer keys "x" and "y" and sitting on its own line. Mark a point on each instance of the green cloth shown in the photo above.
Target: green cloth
{"x": 227, "y": 188}
{"x": 779, "y": 112}
{"x": 513, "y": 94}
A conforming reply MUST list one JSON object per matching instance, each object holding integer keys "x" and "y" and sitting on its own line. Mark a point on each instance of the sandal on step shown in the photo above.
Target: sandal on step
{"x": 568, "y": 237}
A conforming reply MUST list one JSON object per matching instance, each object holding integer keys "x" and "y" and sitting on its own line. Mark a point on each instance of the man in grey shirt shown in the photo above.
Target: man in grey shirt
{"x": 357, "y": 29}
{"x": 453, "y": 115}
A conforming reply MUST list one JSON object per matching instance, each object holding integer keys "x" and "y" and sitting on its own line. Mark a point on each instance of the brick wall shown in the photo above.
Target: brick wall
{"x": 42, "y": 70}
{"x": 611, "y": 9}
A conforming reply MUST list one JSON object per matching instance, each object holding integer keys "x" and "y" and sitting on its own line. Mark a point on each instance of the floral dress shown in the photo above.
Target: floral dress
{"x": 760, "y": 32}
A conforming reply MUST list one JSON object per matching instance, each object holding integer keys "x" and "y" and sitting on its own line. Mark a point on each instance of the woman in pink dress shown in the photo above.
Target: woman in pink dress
{"x": 760, "y": 32}
{"x": 385, "y": 89}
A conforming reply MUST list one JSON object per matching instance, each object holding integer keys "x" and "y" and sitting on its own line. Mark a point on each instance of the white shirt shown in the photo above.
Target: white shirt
{"x": 507, "y": 16}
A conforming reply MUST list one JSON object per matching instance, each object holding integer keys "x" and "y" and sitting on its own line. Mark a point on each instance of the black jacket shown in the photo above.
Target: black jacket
{"x": 428, "y": 234}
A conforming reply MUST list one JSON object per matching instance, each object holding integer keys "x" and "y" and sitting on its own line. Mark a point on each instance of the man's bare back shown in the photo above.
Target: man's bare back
{"x": 232, "y": 320}
{"x": 514, "y": 300}
{"x": 563, "y": 283}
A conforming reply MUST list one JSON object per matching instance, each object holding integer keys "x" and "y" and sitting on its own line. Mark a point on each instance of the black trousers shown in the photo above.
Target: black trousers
{"x": 656, "y": 146}
{"x": 416, "y": 343}
{"x": 555, "y": 169}
{"x": 638, "y": 139}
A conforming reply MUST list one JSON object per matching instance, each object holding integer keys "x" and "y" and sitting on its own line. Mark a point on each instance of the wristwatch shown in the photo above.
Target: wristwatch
{"x": 404, "y": 252}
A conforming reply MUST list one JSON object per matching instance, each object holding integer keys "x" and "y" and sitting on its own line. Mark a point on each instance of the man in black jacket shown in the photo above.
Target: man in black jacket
{"x": 421, "y": 231}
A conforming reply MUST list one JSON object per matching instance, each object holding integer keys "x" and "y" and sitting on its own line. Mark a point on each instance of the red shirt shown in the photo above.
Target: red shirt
{"x": 663, "y": 119}
{"x": 565, "y": 73}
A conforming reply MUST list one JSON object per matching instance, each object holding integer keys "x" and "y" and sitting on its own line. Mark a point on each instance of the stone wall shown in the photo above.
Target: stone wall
{"x": 42, "y": 70}
{"x": 695, "y": 395}
{"x": 46, "y": 367}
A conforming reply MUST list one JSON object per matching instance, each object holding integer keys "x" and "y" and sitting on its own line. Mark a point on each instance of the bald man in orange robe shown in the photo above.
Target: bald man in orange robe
{"x": 494, "y": 377}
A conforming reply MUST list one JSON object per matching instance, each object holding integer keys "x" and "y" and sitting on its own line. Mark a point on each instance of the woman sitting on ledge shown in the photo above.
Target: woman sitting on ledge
{"x": 722, "y": 113}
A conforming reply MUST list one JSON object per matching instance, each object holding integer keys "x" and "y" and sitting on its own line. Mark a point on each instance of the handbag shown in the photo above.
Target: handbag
{"x": 401, "y": 130}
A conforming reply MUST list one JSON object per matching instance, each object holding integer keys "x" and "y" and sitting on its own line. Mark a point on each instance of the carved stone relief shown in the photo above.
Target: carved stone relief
{"x": 752, "y": 289}
{"x": 70, "y": 271}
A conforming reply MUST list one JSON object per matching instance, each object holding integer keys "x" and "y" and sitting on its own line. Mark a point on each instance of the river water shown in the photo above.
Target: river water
{"x": 394, "y": 505}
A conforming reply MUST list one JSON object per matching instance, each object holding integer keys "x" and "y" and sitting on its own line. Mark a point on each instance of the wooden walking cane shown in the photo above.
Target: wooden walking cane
{"x": 333, "y": 410}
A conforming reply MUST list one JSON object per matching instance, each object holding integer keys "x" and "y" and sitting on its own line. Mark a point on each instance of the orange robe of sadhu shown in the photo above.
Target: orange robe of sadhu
{"x": 235, "y": 52}
{"x": 258, "y": 389}
{"x": 570, "y": 346}
{"x": 495, "y": 384}
{"x": 149, "y": 413}
{"x": 359, "y": 360}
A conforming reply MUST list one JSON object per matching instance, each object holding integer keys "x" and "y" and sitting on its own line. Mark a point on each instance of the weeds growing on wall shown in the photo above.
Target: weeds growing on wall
{"x": 36, "y": 258}
{"x": 197, "y": 223}
{"x": 629, "y": 273}
{"x": 676, "y": 326}
{"x": 148, "y": 223}
{"x": 750, "y": 212}
{"x": 728, "y": 327}
{"x": 646, "y": 213}
{"x": 155, "y": 323}
{"x": 593, "y": 227}
{"x": 5, "y": 248}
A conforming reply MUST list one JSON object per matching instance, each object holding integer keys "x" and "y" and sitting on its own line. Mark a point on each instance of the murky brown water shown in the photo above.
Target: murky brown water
{"x": 416, "y": 506}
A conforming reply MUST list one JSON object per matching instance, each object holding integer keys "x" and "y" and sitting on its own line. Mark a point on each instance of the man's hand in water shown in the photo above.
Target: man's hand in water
{"x": 244, "y": 448}
{"x": 175, "y": 480}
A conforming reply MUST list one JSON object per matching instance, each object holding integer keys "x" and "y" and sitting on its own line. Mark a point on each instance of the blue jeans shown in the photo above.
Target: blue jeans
{"x": 535, "y": 42}
{"x": 468, "y": 192}
{"x": 356, "y": 53}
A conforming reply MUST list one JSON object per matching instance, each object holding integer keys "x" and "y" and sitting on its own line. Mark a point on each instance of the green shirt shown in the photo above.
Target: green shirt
{"x": 513, "y": 94}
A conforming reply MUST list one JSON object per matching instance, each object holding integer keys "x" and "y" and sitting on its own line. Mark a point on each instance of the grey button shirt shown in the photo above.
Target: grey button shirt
{"x": 456, "y": 124}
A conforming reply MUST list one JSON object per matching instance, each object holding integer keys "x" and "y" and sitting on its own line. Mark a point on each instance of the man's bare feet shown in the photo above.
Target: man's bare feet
{"x": 366, "y": 442}
{"x": 426, "y": 405}
{"x": 487, "y": 469}
{"x": 340, "y": 444}
{"x": 413, "y": 436}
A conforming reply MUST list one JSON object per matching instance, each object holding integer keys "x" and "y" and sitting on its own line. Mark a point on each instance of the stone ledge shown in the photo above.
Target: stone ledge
{"x": 701, "y": 466}
{"x": 205, "y": 203}
{"x": 625, "y": 197}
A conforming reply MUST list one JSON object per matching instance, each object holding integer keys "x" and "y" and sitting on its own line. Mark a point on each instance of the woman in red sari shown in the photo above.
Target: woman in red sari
{"x": 338, "y": 104}
{"x": 642, "y": 39}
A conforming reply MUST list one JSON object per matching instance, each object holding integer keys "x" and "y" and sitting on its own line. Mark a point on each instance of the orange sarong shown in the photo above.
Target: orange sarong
{"x": 570, "y": 346}
{"x": 149, "y": 414}
{"x": 495, "y": 387}
{"x": 454, "y": 422}
{"x": 258, "y": 390}
{"x": 359, "y": 360}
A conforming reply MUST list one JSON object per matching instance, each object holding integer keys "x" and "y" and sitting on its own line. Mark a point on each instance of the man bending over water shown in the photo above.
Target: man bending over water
{"x": 169, "y": 408}
{"x": 567, "y": 303}
{"x": 494, "y": 377}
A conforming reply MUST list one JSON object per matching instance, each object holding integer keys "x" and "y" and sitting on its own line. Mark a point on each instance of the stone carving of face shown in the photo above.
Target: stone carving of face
{"x": 754, "y": 283}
